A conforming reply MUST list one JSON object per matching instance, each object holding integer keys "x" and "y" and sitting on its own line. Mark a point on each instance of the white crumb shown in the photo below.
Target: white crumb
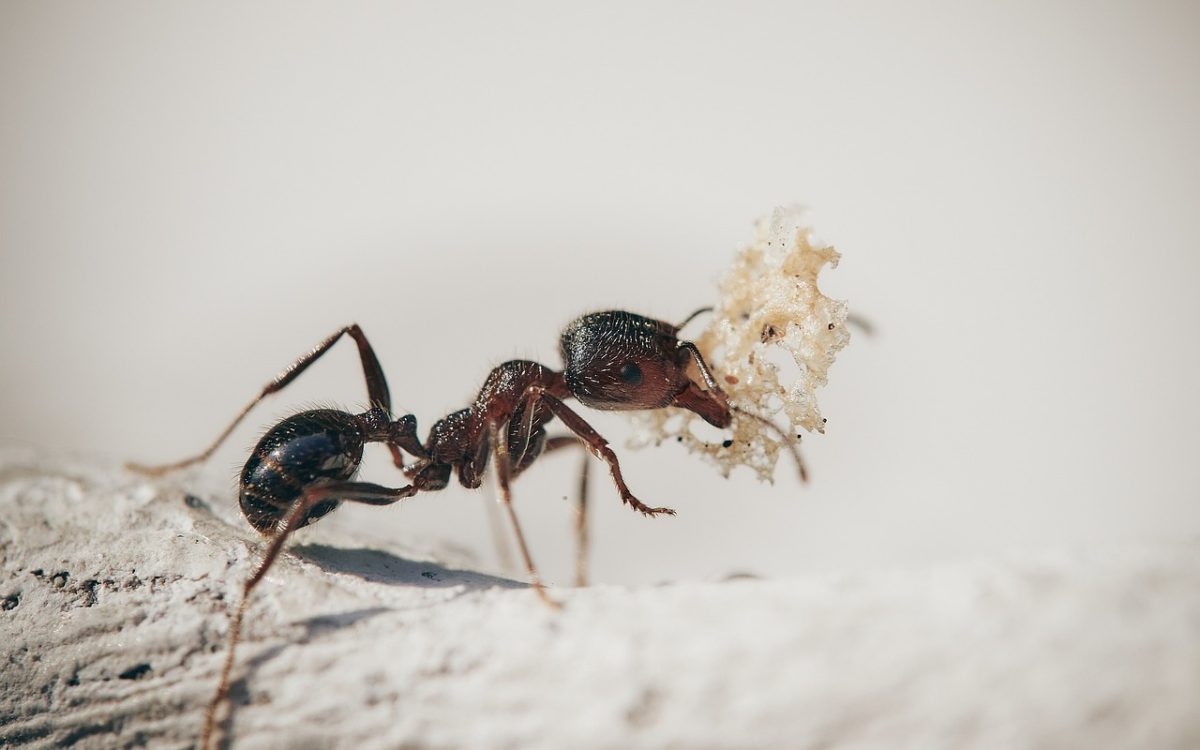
{"x": 770, "y": 304}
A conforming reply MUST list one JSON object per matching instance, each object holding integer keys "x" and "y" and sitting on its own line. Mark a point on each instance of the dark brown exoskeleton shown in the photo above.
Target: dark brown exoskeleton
{"x": 305, "y": 466}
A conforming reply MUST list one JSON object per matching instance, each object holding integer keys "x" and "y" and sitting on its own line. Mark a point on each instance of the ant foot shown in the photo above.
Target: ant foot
{"x": 540, "y": 590}
{"x": 646, "y": 510}
{"x": 148, "y": 471}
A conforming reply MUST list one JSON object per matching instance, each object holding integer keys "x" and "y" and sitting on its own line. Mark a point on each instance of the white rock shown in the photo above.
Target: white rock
{"x": 115, "y": 590}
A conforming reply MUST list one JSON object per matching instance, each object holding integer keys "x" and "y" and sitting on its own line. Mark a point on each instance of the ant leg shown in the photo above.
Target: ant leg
{"x": 863, "y": 324}
{"x": 503, "y": 481}
{"x": 595, "y": 443}
{"x": 500, "y": 541}
{"x": 377, "y": 392}
{"x": 582, "y": 547}
{"x": 358, "y": 492}
{"x": 582, "y": 540}
{"x": 581, "y": 522}
{"x": 561, "y": 441}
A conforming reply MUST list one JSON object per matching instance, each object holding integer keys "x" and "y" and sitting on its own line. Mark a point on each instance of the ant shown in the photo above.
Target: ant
{"x": 304, "y": 466}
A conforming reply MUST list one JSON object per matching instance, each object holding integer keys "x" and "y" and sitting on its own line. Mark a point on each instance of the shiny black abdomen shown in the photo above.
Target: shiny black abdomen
{"x": 311, "y": 447}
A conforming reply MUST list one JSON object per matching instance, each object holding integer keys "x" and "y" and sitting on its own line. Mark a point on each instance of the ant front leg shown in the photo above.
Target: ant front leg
{"x": 595, "y": 443}
{"x": 357, "y": 492}
{"x": 377, "y": 393}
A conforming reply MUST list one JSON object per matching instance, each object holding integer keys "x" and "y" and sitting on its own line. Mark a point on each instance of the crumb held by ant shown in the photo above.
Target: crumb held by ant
{"x": 769, "y": 301}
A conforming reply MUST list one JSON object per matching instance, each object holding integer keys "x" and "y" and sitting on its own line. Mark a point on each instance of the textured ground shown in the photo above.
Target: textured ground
{"x": 112, "y": 614}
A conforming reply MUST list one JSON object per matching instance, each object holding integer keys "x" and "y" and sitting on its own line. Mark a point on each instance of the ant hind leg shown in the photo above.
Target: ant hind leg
{"x": 377, "y": 392}
{"x": 358, "y": 492}
{"x": 500, "y": 461}
{"x": 581, "y": 503}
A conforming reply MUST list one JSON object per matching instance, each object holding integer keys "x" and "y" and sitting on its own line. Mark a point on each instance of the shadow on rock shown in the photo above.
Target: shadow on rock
{"x": 315, "y": 626}
{"x": 377, "y": 566}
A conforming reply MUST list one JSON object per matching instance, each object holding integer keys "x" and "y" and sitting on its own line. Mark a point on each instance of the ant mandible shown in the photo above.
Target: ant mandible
{"x": 304, "y": 467}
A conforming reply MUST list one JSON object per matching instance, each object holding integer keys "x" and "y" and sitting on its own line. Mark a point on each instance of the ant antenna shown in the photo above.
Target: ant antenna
{"x": 785, "y": 438}
{"x": 705, "y": 373}
{"x": 861, "y": 323}
{"x": 693, "y": 316}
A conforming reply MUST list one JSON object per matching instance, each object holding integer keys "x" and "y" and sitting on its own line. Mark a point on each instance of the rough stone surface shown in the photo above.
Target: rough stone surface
{"x": 113, "y": 604}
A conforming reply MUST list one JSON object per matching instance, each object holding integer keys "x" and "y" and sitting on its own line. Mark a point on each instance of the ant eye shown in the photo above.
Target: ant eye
{"x": 618, "y": 360}
{"x": 631, "y": 374}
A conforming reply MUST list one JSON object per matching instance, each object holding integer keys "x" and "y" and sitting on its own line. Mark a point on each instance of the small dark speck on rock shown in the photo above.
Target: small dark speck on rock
{"x": 740, "y": 576}
{"x": 135, "y": 673}
{"x": 10, "y": 602}
{"x": 727, "y": 443}
{"x": 193, "y": 502}
{"x": 647, "y": 709}
{"x": 89, "y": 592}
{"x": 60, "y": 580}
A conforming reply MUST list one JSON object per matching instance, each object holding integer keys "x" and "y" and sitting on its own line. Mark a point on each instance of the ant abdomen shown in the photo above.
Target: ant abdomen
{"x": 304, "y": 449}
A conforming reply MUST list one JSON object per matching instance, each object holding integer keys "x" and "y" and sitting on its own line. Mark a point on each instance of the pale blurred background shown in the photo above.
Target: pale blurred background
{"x": 193, "y": 195}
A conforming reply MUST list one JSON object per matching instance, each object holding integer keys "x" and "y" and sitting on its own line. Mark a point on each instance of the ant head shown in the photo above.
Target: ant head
{"x": 619, "y": 360}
